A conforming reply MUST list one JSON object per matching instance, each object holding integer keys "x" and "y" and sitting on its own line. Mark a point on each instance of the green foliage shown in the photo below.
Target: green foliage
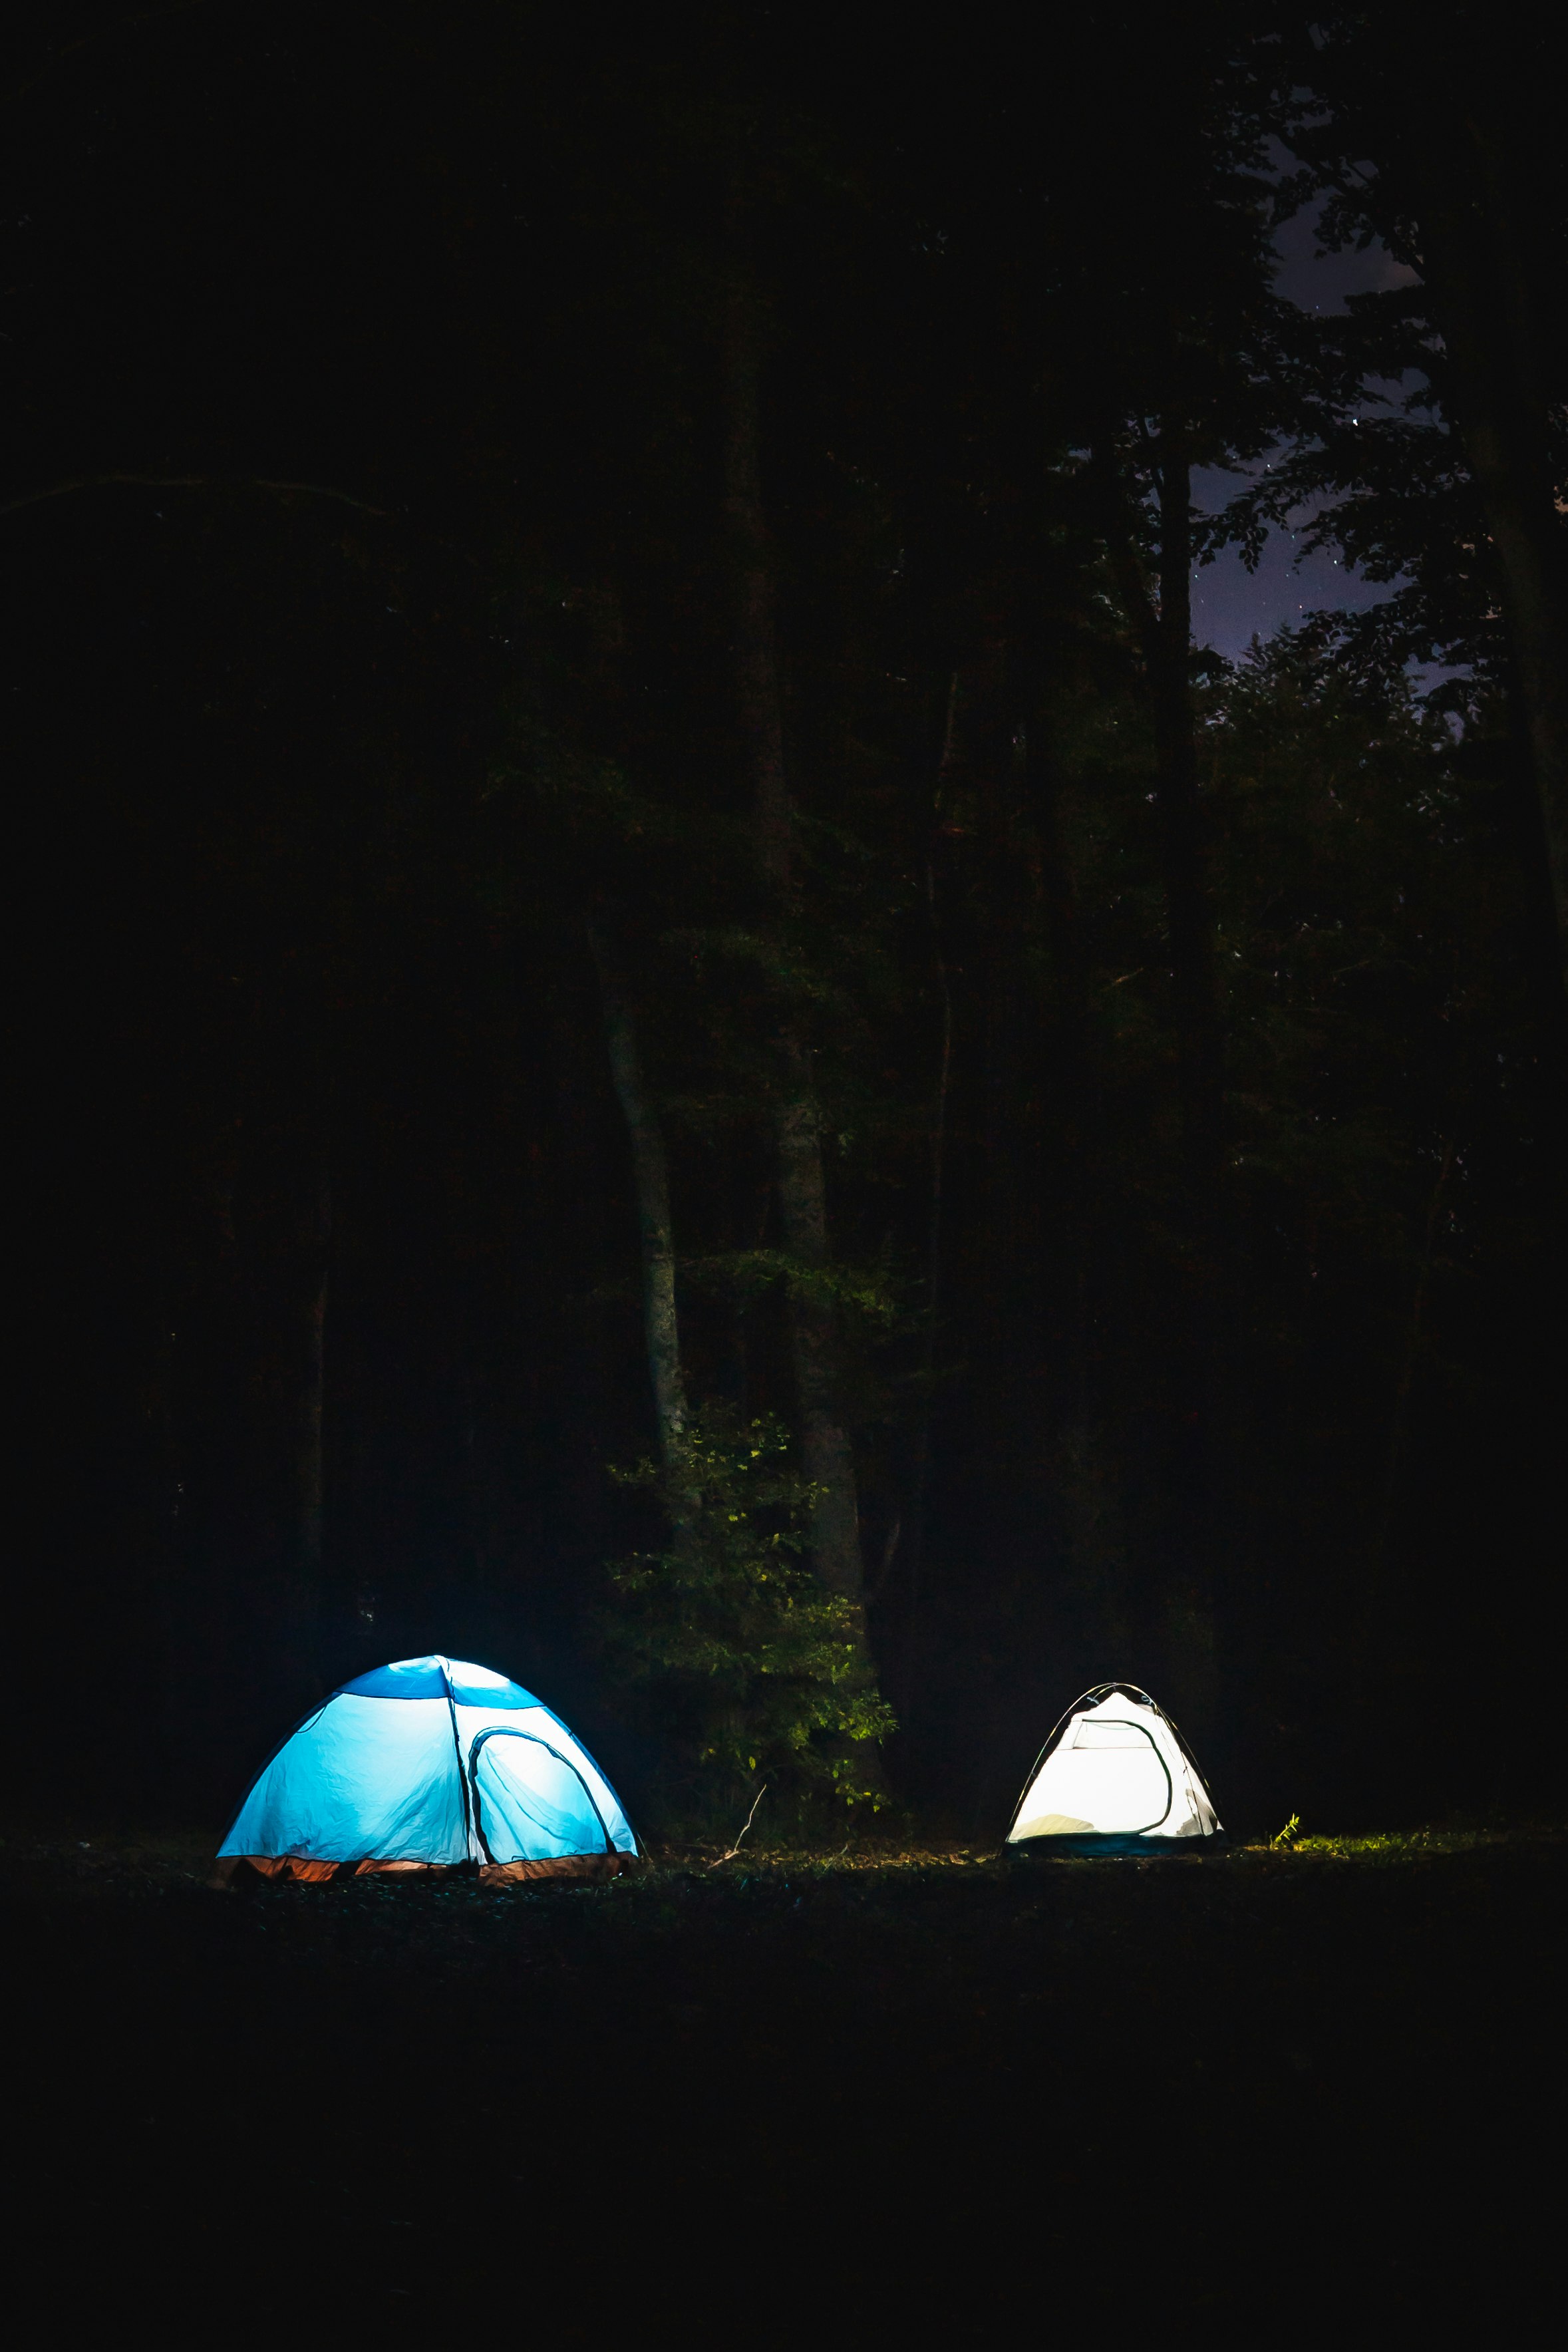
{"x": 1287, "y": 1837}
{"x": 861, "y": 1290}
{"x": 1406, "y": 1845}
{"x": 761, "y": 1667}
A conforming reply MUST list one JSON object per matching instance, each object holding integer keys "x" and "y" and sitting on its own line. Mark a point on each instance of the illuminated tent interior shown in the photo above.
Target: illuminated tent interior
{"x": 424, "y": 1765}
{"x": 1114, "y": 1777}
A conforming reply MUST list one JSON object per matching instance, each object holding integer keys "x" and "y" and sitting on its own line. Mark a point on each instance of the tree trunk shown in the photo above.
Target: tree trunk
{"x": 651, "y": 1181}
{"x": 1010, "y": 1202}
{"x": 754, "y": 652}
{"x": 303, "y": 1602}
{"x": 313, "y": 1398}
{"x": 1194, "y": 1000}
{"x": 825, "y": 1453}
{"x": 1165, "y": 633}
{"x": 1475, "y": 259}
{"x": 913, "y": 1534}
{"x": 1190, "y": 1610}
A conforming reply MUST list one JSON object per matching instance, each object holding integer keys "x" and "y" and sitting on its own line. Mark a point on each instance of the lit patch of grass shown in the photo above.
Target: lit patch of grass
{"x": 858, "y": 1856}
{"x": 1400, "y": 1845}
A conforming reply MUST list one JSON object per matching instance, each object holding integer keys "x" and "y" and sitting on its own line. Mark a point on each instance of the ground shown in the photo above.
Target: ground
{"x": 894, "y": 2093}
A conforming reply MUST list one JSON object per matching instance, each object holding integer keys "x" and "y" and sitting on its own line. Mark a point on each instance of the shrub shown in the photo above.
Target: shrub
{"x": 758, "y": 1672}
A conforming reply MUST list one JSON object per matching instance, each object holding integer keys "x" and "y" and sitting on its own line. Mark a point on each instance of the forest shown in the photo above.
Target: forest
{"x": 790, "y": 890}
{"x": 671, "y": 1030}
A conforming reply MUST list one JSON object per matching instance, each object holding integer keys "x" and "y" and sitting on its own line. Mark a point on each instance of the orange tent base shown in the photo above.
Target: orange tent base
{"x": 303, "y": 1869}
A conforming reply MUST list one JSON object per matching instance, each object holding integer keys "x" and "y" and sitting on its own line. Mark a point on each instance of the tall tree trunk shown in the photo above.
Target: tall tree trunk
{"x": 303, "y": 1606}
{"x": 1500, "y": 409}
{"x": 825, "y": 1453}
{"x": 1068, "y": 1059}
{"x": 1191, "y": 937}
{"x": 1078, "y": 1250}
{"x": 1164, "y": 635}
{"x": 1164, "y": 632}
{"x": 913, "y": 1531}
{"x": 1191, "y": 1623}
{"x": 313, "y": 1398}
{"x": 1010, "y": 1204}
{"x": 651, "y": 1181}
{"x": 1399, "y": 1416}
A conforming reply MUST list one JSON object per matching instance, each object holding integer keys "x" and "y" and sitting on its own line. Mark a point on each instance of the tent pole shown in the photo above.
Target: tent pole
{"x": 457, "y": 1751}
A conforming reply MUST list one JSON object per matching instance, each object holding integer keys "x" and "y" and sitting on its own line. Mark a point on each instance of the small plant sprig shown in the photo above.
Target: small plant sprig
{"x": 1287, "y": 1837}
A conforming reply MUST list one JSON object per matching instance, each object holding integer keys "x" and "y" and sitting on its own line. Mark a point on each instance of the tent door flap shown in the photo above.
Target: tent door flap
{"x": 530, "y": 1802}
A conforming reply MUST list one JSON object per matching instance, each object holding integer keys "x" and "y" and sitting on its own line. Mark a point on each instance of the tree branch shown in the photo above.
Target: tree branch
{"x": 1131, "y": 585}
{"x": 187, "y": 482}
{"x": 750, "y": 1817}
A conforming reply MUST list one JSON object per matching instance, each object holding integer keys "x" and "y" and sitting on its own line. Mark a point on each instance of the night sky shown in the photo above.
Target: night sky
{"x": 1230, "y": 605}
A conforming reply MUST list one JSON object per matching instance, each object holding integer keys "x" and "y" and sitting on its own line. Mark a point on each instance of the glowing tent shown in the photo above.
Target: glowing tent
{"x": 1114, "y": 1777}
{"x": 424, "y": 1764}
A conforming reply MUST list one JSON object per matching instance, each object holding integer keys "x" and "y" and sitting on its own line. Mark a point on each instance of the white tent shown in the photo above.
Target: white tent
{"x": 1114, "y": 1772}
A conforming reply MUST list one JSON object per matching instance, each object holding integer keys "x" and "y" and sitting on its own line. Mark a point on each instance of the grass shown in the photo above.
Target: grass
{"x": 833, "y": 2093}
{"x": 1414, "y": 1846}
{"x": 177, "y": 1857}
{"x": 116, "y": 1866}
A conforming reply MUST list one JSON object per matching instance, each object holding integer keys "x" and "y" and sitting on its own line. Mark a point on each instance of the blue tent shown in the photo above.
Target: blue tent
{"x": 424, "y": 1764}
